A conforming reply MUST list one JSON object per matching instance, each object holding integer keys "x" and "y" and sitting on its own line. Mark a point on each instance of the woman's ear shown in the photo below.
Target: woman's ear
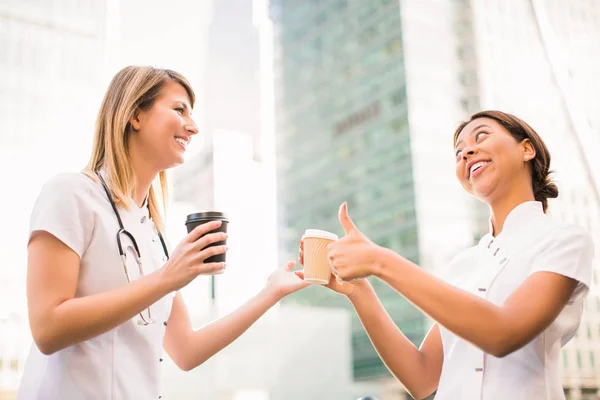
{"x": 528, "y": 150}
{"x": 135, "y": 121}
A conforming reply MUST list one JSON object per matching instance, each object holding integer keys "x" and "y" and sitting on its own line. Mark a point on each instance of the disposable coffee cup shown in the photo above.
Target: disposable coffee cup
{"x": 316, "y": 263}
{"x": 194, "y": 220}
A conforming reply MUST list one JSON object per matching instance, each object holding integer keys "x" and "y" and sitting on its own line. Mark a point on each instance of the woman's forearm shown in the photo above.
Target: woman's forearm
{"x": 405, "y": 361}
{"x": 468, "y": 316}
{"x": 212, "y": 338}
{"x": 78, "y": 319}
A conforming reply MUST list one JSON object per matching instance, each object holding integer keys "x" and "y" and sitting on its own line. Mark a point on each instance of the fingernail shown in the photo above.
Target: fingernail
{"x": 223, "y": 266}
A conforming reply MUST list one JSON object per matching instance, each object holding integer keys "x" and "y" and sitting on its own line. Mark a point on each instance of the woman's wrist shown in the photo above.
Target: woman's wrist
{"x": 360, "y": 286}
{"x": 161, "y": 282}
{"x": 270, "y": 295}
{"x": 379, "y": 261}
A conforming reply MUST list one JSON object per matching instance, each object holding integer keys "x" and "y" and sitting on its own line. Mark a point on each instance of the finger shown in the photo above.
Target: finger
{"x": 302, "y": 244}
{"x": 301, "y": 257}
{"x": 299, "y": 274}
{"x": 289, "y": 265}
{"x": 345, "y": 220}
{"x": 331, "y": 256}
{"x": 211, "y": 268}
{"x": 211, "y": 251}
{"x": 210, "y": 238}
{"x": 203, "y": 229}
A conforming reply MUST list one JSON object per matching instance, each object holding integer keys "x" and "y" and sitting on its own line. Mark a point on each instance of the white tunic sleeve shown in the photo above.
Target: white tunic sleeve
{"x": 61, "y": 210}
{"x": 569, "y": 253}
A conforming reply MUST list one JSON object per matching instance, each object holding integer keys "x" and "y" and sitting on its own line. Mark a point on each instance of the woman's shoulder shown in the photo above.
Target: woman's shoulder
{"x": 70, "y": 183}
{"x": 68, "y": 189}
{"x": 66, "y": 208}
{"x": 71, "y": 180}
{"x": 557, "y": 230}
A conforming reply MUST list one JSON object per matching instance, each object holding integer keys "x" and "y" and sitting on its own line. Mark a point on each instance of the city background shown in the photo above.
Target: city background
{"x": 303, "y": 104}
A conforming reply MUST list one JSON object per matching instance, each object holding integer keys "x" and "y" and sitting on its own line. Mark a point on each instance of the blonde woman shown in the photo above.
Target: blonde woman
{"x": 102, "y": 290}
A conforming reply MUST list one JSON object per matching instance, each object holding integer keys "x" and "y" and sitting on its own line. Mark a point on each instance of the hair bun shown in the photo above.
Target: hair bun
{"x": 548, "y": 190}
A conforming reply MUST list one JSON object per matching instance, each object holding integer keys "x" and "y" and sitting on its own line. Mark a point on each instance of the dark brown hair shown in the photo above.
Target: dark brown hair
{"x": 543, "y": 186}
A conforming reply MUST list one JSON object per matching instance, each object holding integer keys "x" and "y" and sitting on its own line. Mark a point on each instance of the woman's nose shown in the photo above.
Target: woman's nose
{"x": 191, "y": 127}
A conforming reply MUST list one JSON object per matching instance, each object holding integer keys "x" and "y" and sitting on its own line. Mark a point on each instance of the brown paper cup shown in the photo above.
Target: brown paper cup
{"x": 316, "y": 263}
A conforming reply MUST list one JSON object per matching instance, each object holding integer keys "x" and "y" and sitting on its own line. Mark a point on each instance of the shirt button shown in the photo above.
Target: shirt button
{"x": 160, "y": 359}
{"x": 144, "y": 218}
{"x": 154, "y": 239}
{"x": 481, "y": 289}
{"x": 165, "y": 323}
{"x": 478, "y": 369}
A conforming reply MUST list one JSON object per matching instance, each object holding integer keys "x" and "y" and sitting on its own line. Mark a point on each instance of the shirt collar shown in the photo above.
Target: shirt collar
{"x": 518, "y": 216}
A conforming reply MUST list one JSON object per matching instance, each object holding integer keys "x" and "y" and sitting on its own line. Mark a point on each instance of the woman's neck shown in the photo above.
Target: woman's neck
{"x": 144, "y": 176}
{"x": 501, "y": 208}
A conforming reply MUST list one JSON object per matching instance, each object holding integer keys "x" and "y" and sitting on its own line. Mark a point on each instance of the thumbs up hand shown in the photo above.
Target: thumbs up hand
{"x": 354, "y": 256}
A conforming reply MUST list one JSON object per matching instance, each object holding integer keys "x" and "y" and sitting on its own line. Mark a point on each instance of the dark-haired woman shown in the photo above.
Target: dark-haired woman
{"x": 505, "y": 307}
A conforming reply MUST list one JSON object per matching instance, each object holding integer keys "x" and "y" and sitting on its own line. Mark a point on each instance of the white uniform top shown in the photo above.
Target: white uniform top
{"x": 123, "y": 363}
{"x": 530, "y": 242}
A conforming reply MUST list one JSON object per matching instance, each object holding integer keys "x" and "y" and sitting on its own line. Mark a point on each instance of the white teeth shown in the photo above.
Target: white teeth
{"x": 478, "y": 165}
{"x": 183, "y": 142}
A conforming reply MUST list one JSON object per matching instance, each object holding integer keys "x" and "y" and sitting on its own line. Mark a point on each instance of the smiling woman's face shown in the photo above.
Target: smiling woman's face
{"x": 164, "y": 131}
{"x": 489, "y": 159}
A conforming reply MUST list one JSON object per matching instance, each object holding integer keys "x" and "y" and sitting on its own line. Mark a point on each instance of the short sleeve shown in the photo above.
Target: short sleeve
{"x": 63, "y": 210}
{"x": 569, "y": 253}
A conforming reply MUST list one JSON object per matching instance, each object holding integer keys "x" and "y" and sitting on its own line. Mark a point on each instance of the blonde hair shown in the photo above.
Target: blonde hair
{"x": 131, "y": 89}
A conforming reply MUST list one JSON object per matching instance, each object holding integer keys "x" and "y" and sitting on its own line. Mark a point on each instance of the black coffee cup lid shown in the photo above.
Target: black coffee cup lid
{"x": 212, "y": 215}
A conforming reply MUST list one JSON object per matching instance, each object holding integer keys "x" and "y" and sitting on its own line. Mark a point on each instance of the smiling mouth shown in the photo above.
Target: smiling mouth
{"x": 478, "y": 167}
{"x": 182, "y": 142}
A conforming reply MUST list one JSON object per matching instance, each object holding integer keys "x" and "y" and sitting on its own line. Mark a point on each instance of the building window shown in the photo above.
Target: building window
{"x": 592, "y": 361}
{"x": 589, "y": 332}
{"x": 578, "y": 359}
{"x": 565, "y": 359}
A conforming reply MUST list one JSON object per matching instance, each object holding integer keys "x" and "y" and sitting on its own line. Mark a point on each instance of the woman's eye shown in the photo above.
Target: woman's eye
{"x": 479, "y": 136}
{"x": 180, "y": 110}
{"x": 458, "y": 153}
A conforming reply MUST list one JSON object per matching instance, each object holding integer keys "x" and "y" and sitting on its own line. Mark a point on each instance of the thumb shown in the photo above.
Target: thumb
{"x": 345, "y": 220}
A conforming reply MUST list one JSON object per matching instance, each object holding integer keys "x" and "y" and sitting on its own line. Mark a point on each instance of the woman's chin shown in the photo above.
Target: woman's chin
{"x": 483, "y": 191}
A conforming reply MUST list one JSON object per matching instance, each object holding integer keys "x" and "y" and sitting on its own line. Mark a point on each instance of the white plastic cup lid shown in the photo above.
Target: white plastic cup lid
{"x": 317, "y": 233}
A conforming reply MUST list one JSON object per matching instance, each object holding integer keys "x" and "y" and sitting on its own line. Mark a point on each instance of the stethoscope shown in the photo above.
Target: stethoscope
{"x": 145, "y": 320}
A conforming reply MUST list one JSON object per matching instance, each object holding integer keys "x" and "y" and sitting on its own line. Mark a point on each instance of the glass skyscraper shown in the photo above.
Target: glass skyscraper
{"x": 342, "y": 135}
